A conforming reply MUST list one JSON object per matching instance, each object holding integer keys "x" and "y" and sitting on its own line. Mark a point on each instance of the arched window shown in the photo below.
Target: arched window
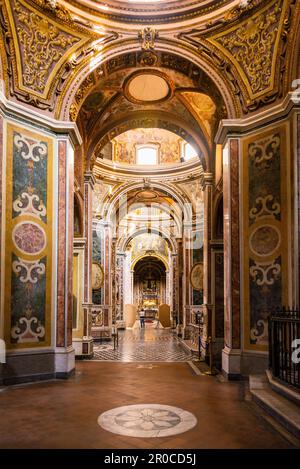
{"x": 147, "y": 155}
{"x": 189, "y": 152}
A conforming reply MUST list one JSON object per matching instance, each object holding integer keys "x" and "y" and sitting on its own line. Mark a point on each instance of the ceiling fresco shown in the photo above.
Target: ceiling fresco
{"x": 145, "y": 243}
{"x": 169, "y": 145}
{"x": 209, "y": 60}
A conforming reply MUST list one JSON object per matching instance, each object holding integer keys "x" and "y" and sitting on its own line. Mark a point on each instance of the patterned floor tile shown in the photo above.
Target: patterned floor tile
{"x": 150, "y": 345}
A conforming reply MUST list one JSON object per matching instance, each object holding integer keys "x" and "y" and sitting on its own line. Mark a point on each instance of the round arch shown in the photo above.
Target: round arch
{"x": 157, "y": 256}
{"x": 67, "y": 98}
{"x": 109, "y": 206}
{"x": 157, "y": 118}
{"x": 123, "y": 242}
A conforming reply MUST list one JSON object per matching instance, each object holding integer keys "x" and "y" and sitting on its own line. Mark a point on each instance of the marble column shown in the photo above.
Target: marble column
{"x": 113, "y": 261}
{"x": 174, "y": 288}
{"x": 231, "y": 354}
{"x": 208, "y": 213}
{"x": 108, "y": 287}
{"x": 2, "y": 344}
{"x": 167, "y": 297}
{"x": 87, "y": 340}
{"x": 179, "y": 285}
{"x": 208, "y": 186}
{"x": 65, "y": 352}
{"x": 120, "y": 279}
{"x": 78, "y": 290}
{"x": 186, "y": 285}
{"x": 131, "y": 286}
{"x": 297, "y": 237}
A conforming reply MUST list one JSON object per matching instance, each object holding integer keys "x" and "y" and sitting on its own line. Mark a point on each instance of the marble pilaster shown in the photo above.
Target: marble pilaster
{"x": 1, "y": 163}
{"x": 297, "y": 172}
{"x": 87, "y": 340}
{"x": 231, "y": 355}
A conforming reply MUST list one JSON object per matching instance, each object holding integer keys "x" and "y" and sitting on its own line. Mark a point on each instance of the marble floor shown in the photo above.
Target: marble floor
{"x": 149, "y": 344}
{"x": 147, "y": 420}
{"x": 65, "y": 414}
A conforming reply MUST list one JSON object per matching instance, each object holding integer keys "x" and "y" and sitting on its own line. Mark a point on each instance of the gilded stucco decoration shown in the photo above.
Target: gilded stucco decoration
{"x": 54, "y": 7}
{"x": 43, "y": 46}
{"x": 147, "y": 37}
{"x": 253, "y": 48}
{"x": 249, "y": 48}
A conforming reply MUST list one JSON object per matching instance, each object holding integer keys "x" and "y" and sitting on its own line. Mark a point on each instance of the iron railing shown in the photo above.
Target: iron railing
{"x": 284, "y": 330}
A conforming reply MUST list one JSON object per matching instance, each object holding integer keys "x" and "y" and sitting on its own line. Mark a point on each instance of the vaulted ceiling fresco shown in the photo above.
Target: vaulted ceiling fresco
{"x": 82, "y": 61}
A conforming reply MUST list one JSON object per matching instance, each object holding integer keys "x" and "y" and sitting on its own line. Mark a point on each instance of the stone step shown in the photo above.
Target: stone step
{"x": 286, "y": 391}
{"x": 285, "y": 412}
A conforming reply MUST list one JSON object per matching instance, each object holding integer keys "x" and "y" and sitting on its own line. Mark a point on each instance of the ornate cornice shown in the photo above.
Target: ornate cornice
{"x": 234, "y": 128}
{"x": 33, "y": 117}
{"x": 158, "y": 13}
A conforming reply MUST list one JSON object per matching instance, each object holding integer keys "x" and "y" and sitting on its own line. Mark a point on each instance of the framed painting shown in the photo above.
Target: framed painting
{"x": 196, "y": 276}
{"x": 97, "y": 276}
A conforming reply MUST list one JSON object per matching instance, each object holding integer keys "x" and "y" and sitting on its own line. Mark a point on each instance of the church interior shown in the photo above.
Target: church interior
{"x": 149, "y": 224}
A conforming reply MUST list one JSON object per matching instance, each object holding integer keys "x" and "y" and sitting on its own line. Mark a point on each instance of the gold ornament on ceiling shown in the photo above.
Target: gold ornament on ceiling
{"x": 40, "y": 52}
{"x": 253, "y": 46}
{"x": 43, "y": 44}
{"x": 54, "y": 7}
{"x": 147, "y": 37}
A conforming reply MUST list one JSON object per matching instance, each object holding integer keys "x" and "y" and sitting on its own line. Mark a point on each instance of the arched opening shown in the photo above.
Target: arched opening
{"x": 148, "y": 136}
{"x": 149, "y": 285}
{"x": 78, "y": 226}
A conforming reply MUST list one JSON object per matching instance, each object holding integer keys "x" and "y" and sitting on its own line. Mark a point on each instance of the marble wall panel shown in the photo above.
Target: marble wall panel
{"x": 266, "y": 159}
{"x": 28, "y": 243}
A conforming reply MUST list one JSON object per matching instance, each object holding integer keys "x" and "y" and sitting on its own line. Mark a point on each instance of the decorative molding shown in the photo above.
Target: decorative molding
{"x": 89, "y": 178}
{"x": 33, "y": 117}
{"x": 147, "y": 37}
{"x": 238, "y": 127}
{"x": 138, "y": 13}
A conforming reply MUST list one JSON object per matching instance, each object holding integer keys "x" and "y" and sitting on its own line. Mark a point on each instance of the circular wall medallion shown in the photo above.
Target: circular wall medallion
{"x": 196, "y": 276}
{"x": 29, "y": 238}
{"x": 97, "y": 276}
{"x": 265, "y": 240}
{"x": 147, "y": 420}
{"x": 148, "y": 86}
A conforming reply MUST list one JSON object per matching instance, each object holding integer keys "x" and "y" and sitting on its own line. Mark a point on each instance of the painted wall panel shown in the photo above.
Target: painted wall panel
{"x": 266, "y": 160}
{"x": 28, "y": 238}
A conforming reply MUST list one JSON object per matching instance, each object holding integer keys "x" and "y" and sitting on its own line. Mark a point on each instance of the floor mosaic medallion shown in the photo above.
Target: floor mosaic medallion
{"x": 147, "y": 420}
